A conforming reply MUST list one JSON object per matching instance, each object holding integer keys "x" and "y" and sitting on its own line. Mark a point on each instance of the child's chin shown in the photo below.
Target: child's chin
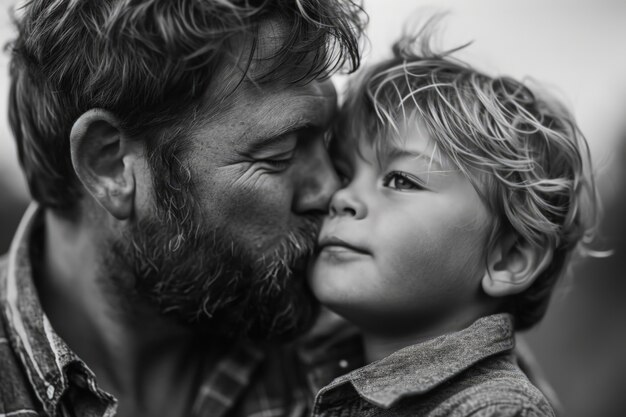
{"x": 316, "y": 279}
{"x": 323, "y": 282}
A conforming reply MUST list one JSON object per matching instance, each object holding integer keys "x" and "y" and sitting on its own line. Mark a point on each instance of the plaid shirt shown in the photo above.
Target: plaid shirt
{"x": 41, "y": 376}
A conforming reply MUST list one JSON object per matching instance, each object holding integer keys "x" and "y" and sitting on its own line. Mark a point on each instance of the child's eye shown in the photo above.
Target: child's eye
{"x": 402, "y": 181}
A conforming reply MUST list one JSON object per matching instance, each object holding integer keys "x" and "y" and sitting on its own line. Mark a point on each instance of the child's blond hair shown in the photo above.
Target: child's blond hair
{"x": 523, "y": 153}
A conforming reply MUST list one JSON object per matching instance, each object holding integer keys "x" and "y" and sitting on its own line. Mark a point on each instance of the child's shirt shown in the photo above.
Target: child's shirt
{"x": 472, "y": 372}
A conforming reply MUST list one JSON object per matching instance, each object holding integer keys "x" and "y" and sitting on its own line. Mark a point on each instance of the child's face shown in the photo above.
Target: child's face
{"x": 404, "y": 243}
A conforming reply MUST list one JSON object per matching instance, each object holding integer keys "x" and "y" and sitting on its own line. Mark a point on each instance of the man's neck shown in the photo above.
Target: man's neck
{"x": 138, "y": 356}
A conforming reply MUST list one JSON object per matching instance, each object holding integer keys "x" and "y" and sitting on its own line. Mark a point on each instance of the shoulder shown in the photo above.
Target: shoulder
{"x": 501, "y": 397}
{"x": 16, "y": 395}
{"x": 497, "y": 388}
{"x": 494, "y": 387}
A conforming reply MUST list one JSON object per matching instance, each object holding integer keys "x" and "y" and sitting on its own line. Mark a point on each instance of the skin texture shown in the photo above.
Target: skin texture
{"x": 132, "y": 290}
{"x": 262, "y": 164}
{"x": 254, "y": 180}
{"x": 259, "y": 186}
{"x": 401, "y": 256}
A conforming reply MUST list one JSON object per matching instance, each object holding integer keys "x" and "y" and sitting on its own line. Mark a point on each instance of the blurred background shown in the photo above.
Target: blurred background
{"x": 576, "y": 49}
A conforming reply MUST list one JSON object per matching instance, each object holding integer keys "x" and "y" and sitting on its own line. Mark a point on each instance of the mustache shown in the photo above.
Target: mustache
{"x": 298, "y": 243}
{"x": 284, "y": 272}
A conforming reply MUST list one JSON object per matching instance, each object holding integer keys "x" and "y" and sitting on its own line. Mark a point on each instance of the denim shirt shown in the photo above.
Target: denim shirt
{"x": 41, "y": 376}
{"x": 472, "y": 372}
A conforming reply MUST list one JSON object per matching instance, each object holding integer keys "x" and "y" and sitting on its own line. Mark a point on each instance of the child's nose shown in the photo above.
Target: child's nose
{"x": 346, "y": 202}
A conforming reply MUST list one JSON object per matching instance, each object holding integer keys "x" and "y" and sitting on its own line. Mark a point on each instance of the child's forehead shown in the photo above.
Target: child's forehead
{"x": 409, "y": 139}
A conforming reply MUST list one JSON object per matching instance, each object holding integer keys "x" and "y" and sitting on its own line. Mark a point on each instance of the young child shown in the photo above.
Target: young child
{"x": 463, "y": 197}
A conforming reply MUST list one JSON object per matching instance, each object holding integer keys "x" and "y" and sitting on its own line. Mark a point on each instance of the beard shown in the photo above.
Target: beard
{"x": 202, "y": 277}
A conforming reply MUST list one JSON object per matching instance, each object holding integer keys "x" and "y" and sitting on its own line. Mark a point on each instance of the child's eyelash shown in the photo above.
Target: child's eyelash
{"x": 394, "y": 175}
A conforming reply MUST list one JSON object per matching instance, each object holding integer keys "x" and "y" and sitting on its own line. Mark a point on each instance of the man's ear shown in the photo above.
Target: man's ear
{"x": 513, "y": 265}
{"x": 103, "y": 159}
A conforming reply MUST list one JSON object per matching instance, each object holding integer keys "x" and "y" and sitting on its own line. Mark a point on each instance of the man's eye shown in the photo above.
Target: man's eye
{"x": 344, "y": 179}
{"x": 401, "y": 181}
{"x": 279, "y": 162}
{"x": 327, "y": 137}
{"x": 342, "y": 172}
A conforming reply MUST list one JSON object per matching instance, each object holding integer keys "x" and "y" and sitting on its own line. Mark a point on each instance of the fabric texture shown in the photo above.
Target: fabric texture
{"x": 472, "y": 372}
{"x": 41, "y": 376}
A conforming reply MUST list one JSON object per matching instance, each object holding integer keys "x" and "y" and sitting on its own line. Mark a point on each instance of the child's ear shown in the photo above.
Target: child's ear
{"x": 513, "y": 265}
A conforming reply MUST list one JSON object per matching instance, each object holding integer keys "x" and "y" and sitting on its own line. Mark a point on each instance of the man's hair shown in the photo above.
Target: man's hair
{"x": 152, "y": 63}
{"x": 523, "y": 153}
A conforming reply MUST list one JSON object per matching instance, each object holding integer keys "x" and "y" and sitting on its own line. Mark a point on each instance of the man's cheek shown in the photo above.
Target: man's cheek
{"x": 259, "y": 218}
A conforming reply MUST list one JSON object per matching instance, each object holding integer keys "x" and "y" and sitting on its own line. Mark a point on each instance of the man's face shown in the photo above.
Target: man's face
{"x": 231, "y": 243}
{"x": 261, "y": 167}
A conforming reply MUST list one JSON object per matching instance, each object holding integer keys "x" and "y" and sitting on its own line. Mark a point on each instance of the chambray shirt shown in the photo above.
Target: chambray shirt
{"x": 472, "y": 372}
{"x": 41, "y": 376}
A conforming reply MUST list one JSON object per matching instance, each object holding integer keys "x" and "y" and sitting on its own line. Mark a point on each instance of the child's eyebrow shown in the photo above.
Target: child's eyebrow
{"x": 432, "y": 159}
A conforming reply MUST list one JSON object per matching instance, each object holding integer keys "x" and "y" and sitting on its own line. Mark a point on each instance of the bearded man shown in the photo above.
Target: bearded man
{"x": 175, "y": 151}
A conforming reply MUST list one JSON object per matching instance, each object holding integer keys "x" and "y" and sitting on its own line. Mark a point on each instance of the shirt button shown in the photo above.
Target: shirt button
{"x": 343, "y": 364}
{"x": 50, "y": 392}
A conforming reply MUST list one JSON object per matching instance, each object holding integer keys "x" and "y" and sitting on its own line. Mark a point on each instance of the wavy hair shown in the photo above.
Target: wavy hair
{"x": 151, "y": 63}
{"x": 522, "y": 151}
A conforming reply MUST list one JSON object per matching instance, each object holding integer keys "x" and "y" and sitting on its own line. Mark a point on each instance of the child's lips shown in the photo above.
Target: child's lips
{"x": 335, "y": 245}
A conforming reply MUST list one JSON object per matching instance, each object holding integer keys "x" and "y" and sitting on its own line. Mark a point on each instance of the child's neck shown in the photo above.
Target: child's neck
{"x": 377, "y": 345}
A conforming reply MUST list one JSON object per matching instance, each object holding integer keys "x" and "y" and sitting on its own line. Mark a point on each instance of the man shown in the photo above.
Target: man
{"x": 176, "y": 154}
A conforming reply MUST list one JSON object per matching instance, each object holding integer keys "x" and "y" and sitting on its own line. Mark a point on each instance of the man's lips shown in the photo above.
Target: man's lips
{"x": 333, "y": 243}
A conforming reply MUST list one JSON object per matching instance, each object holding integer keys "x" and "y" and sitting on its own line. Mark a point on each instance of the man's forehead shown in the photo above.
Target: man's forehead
{"x": 254, "y": 116}
{"x": 239, "y": 108}
{"x": 277, "y": 109}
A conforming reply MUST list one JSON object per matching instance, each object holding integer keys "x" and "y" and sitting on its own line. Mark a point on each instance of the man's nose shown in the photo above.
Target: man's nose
{"x": 318, "y": 181}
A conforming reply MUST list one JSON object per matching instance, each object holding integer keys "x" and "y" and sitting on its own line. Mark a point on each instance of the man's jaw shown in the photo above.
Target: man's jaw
{"x": 215, "y": 284}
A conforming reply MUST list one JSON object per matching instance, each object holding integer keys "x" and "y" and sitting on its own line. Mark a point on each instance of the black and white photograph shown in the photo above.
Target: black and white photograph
{"x": 312, "y": 208}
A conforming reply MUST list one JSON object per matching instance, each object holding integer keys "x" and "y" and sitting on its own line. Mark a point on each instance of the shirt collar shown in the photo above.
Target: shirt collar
{"x": 419, "y": 368}
{"x": 45, "y": 357}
